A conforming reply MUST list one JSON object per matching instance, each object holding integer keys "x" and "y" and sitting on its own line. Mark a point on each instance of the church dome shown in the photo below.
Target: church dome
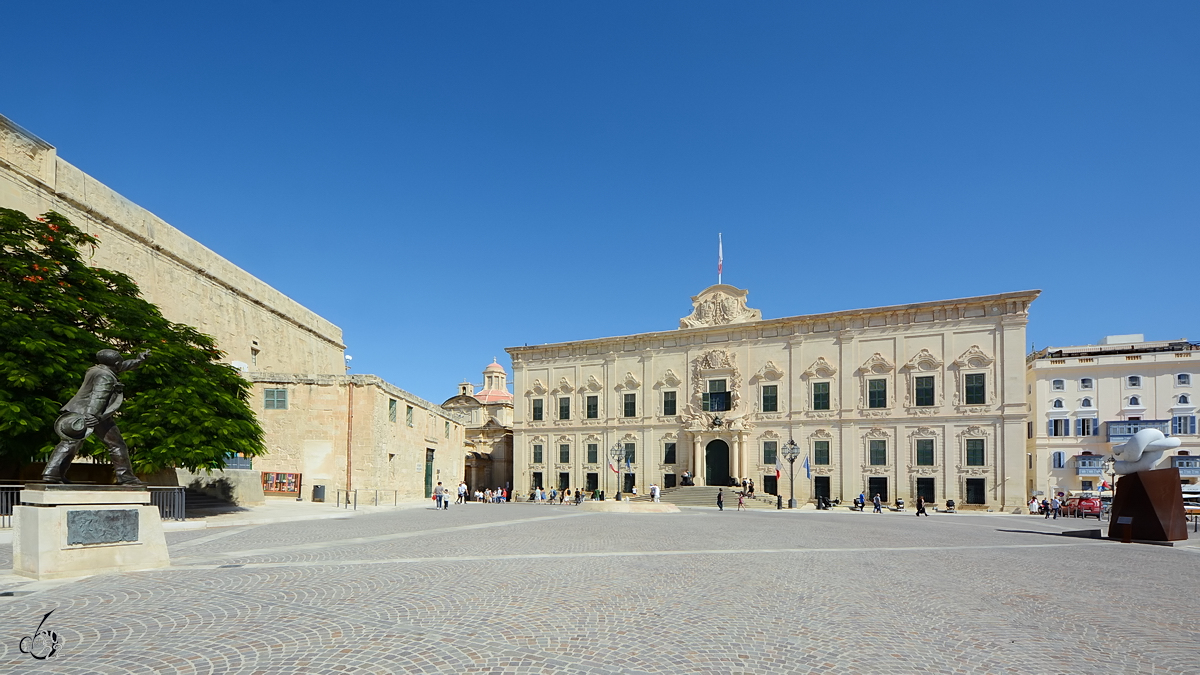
{"x": 494, "y": 367}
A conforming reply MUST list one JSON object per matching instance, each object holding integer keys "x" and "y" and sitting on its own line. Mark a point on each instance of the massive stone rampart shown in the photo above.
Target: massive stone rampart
{"x": 252, "y": 322}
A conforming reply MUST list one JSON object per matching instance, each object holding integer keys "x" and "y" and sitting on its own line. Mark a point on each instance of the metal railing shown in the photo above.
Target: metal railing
{"x": 171, "y": 501}
{"x": 352, "y": 496}
{"x": 9, "y": 496}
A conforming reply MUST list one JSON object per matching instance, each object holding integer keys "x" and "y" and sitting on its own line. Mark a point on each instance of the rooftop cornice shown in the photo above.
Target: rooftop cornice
{"x": 1024, "y": 297}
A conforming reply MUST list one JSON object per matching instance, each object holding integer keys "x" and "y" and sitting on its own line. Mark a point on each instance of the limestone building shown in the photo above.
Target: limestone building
{"x": 926, "y": 398}
{"x": 1087, "y": 398}
{"x": 321, "y": 425}
{"x": 487, "y": 416}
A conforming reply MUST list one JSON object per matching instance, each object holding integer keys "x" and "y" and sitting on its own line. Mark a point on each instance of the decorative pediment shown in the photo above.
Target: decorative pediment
{"x": 716, "y": 359}
{"x": 564, "y": 386}
{"x": 593, "y": 384}
{"x": 563, "y": 439}
{"x": 923, "y": 360}
{"x": 876, "y": 432}
{"x": 877, "y": 364}
{"x": 769, "y": 435}
{"x": 768, "y": 372}
{"x": 821, "y": 435}
{"x": 669, "y": 437}
{"x": 923, "y": 432}
{"x": 669, "y": 379}
{"x": 719, "y": 305}
{"x": 538, "y": 440}
{"x": 629, "y": 438}
{"x": 536, "y": 389}
{"x": 974, "y": 358}
{"x": 821, "y": 368}
{"x": 973, "y": 431}
{"x": 629, "y": 382}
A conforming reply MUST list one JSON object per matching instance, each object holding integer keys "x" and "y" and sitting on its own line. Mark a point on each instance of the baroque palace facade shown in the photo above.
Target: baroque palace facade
{"x": 927, "y": 398}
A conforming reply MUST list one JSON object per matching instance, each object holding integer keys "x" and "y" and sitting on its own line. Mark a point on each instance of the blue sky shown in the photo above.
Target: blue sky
{"x": 443, "y": 180}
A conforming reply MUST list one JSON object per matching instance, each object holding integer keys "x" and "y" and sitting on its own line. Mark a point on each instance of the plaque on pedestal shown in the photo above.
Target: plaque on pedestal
{"x": 74, "y": 530}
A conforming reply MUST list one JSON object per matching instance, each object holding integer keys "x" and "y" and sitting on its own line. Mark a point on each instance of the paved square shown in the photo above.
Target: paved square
{"x": 525, "y": 588}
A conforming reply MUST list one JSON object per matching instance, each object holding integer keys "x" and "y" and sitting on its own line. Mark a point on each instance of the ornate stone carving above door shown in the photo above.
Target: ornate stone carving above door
{"x": 719, "y": 305}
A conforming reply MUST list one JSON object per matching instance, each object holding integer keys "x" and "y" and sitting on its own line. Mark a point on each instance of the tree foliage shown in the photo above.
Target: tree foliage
{"x": 183, "y": 408}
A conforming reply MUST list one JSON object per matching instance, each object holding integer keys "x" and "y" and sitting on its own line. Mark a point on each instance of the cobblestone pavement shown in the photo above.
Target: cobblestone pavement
{"x": 546, "y": 589}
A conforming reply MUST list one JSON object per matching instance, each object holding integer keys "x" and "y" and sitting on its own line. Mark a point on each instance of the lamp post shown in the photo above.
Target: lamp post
{"x": 790, "y": 452}
{"x": 617, "y": 452}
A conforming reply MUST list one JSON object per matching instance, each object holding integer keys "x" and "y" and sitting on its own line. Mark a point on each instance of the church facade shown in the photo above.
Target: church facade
{"x": 920, "y": 399}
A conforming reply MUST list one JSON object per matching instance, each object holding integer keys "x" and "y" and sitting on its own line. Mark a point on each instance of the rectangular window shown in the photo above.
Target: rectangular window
{"x": 593, "y": 451}
{"x": 537, "y": 454}
{"x": 630, "y": 454}
{"x": 275, "y": 399}
{"x": 923, "y": 390}
{"x": 820, "y": 396}
{"x": 975, "y": 452}
{"x": 770, "y": 395}
{"x": 447, "y": 430}
{"x": 974, "y": 384}
{"x": 770, "y": 451}
{"x": 1029, "y": 430}
{"x": 1085, "y": 484}
{"x": 878, "y": 452}
{"x": 925, "y": 489}
{"x": 537, "y": 479}
{"x": 593, "y": 482}
{"x": 1086, "y": 426}
{"x": 630, "y": 405}
{"x": 1183, "y": 424}
{"x": 564, "y": 480}
{"x": 716, "y": 399}
{"x": 1060, "y": 427}
{"x": 593, "y": 407}
{"x": 564, "y": 453}
{"x": 668, "y": 403}
{"x": 876, "y": 393}
{"x": 821, "y": 487}
{"x": 668, "y": 453}
{"x": 564, "y": 408}
{"x": 924, "y": 452}
{"x": 392, "y": 410}
{"x": 537, "y": 410}
{"x": 408, "y": 415}
{"x": 821, "y": 452}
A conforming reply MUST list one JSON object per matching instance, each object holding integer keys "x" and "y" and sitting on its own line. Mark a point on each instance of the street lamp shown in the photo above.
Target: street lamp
{"x": 617, "y": 452}
{"x": 790, "y": 452}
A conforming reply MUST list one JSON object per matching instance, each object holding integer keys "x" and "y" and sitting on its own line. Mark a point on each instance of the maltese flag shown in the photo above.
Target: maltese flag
{"x": 612, "y": 464}
{"x": 720, "y": 257}
{"x": 778, "y": 467}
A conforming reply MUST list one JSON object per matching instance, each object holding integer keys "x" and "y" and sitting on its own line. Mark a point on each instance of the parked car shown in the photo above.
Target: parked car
{"x": 1082, "y": 507}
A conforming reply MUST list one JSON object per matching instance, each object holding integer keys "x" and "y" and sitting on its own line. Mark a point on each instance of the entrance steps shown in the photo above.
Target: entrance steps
{"x": 703, "y": 495}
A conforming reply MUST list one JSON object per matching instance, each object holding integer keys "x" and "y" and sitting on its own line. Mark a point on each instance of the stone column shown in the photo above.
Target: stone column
{"x": 735, "y": 461}
{"x": 697, "y": 476}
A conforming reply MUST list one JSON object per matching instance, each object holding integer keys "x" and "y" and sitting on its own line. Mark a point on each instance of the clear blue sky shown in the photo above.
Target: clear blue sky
{"x": 443, "y": 180}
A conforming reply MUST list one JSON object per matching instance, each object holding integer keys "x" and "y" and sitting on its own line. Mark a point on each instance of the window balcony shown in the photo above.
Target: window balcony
{"x": 1121, "y": 431}
{"x": 1188, "y": 466}
{"x": 1089, "y": 465}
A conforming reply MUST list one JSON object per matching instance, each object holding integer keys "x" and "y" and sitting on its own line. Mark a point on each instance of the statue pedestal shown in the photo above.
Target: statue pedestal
{"x": 75, "y": 530}
{"x": 1148, "y": 507}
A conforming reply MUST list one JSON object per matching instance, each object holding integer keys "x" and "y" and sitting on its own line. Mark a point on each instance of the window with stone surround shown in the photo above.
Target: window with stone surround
{"x": 564, "y": 408}
{"x": 820, "y": 395}
{"x": 392, "y": 409}
{"x": 923, "y": 390}
{"x": 593, "y": 453}
{"x": 924, "y": 452}
{"x": 877, "y": 393}
{"x": 669, "y": 453}
{"x": 770, "y": 452}
{"x": 770, "y": 398}
{"x": 537, "y": 410}
{"x": 629, "y": 405}
{"x": 537, "y": 453}
{"x": 975, "y": 454}
{"x": 564, "y": 453}
{"x": 878, "y": 451}
{"x": 821, "y": 453}
{"x": 593, "y": 407}
{"x": 975, "y": 388}
{"x": 669, "y": 402}
{"x": 275, "y": 399}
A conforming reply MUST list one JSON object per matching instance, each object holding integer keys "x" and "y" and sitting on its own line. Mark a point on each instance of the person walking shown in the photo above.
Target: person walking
{"x": 878, "y": 503}
{"x": 563, "y": 496}
{"x": 438, "y": 492}
{"x": 921, "y": 506}
{"x": 862, "y": 501}
{"x": 462, "y": 493}
{"x": 720, "y": 499}
{"x": 654, "y": 491}
{"x": 751, "y": 490}
{"x": 741, "y": 501}
{"x": 1056, "y": 507}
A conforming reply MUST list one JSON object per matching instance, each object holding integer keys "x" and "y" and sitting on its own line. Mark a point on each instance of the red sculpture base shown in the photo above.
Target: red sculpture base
{"x": 1148, "y": 506}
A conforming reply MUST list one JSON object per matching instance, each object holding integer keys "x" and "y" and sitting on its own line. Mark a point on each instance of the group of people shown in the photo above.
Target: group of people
{"x": 1047, "y": 507}
{"x": 860, "y": 502}
{"x": 539, "y": 496}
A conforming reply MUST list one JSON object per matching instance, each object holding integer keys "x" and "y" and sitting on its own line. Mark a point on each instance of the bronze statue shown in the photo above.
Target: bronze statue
{"x": 89, "y": 412}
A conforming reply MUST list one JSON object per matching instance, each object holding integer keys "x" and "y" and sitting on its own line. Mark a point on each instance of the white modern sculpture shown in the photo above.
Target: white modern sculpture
{"x": 1142, "y": 451}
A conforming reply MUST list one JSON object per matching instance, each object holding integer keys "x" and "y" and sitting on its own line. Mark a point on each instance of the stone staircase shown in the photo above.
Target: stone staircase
{"x": 701, "y": 495}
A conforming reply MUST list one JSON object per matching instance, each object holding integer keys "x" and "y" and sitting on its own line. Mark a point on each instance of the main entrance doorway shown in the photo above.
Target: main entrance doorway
{"x": 716, "y": 463}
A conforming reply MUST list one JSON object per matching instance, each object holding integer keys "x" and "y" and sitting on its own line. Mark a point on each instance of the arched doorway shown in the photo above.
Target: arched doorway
{"x": 716, "y": 463}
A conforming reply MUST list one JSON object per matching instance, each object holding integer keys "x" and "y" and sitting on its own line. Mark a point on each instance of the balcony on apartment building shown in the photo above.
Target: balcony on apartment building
{"x": 1188, "y": 466}
{"x": 1120, "y": 431}
{"x": 1089, "y": 465}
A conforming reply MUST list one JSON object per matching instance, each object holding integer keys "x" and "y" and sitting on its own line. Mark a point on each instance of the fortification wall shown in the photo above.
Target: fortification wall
{"x": 188, "y": 281}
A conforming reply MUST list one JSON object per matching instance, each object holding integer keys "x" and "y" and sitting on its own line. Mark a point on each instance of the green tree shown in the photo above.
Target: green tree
{"x": 183, "y": 408}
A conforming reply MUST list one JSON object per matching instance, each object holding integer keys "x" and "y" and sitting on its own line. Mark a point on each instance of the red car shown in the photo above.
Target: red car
{"x": 1082, "y": 507}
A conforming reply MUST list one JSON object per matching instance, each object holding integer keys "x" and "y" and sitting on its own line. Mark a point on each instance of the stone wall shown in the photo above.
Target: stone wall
{"x": 189, "y": 282}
